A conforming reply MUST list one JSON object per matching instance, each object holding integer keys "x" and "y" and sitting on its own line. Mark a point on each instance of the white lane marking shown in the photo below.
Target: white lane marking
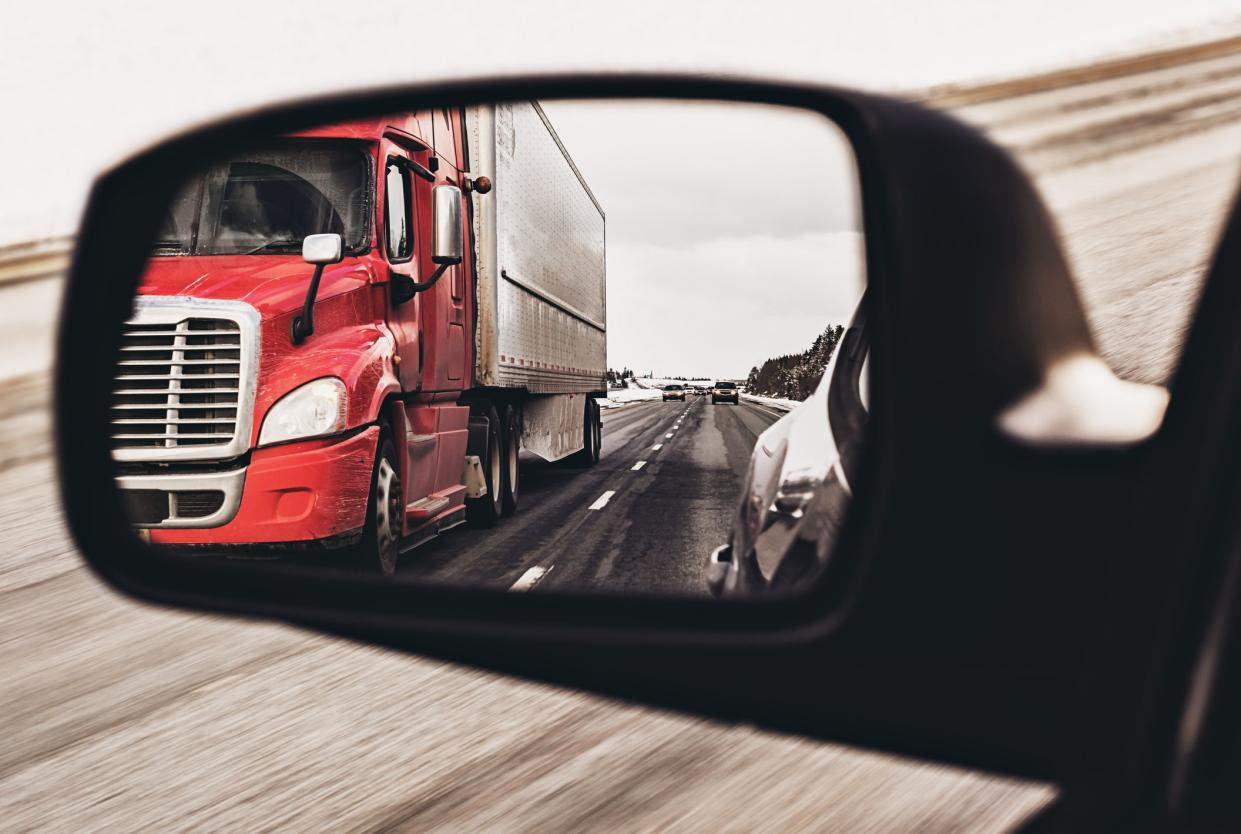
{"x": 669, "y": 434}
{"x": 602, "y": 500}
{"x": 530, "y": 578}
{"x": 637, "y": 466}
{"x": 657, "y": 447}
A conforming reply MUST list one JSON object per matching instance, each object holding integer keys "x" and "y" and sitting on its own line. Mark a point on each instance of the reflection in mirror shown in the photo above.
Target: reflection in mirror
{"x": 572, "y": 345}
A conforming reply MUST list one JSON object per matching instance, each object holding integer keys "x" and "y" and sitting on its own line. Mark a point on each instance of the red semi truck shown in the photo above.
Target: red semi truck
{"x": 344, "y": 337}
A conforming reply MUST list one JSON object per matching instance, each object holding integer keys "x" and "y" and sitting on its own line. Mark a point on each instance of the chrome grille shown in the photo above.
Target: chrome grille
{"x": 183, "y": 387}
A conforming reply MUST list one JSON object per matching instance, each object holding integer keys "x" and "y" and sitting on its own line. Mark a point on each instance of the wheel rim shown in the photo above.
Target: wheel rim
{"x": 496, "y": 472}
{"x": 387, "y": 515}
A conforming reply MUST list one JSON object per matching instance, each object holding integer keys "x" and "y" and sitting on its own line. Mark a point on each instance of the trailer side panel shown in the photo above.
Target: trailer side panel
{"x": 540, "y": 245}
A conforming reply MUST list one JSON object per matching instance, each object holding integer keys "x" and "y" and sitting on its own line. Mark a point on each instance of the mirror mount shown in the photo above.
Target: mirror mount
{"x": 319, "y": 250}
{"x": 414, "y": 287}
{"x": 402, "y": 287}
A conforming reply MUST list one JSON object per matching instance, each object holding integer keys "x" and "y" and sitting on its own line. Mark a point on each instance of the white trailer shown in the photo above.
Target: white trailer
{"x": 540, "y": 271}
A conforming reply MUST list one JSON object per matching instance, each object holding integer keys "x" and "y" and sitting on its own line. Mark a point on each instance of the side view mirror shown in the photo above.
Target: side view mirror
{"x": 446, "y": 247}
{"x": 718, "y": 565}
{"x": 446, "y": 237}
{"x": 319, "y": 250}
{"x": 322, "y": 249}
{"x": 933, "y": 597}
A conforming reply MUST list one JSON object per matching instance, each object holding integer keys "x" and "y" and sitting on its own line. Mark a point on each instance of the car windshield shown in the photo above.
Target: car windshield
{"x": 674, "y": 387}
{"x": 265, "y": 201}
{"x": 725, "y": 385}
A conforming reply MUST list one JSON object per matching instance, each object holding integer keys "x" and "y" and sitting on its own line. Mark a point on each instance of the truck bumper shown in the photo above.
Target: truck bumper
{"x": 303, "y": 492}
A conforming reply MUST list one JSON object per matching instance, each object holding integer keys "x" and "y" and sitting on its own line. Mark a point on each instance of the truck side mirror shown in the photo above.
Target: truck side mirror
{"x": 322, "y": 249}
{"x": 447, "y": 235}
{"x": 319, "y": 250}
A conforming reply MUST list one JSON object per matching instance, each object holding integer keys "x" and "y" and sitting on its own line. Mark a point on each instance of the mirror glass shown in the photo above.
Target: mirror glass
{"x": 586, "y": 346}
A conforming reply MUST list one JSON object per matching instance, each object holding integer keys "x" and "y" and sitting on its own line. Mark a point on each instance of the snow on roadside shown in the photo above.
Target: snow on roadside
{"x": 772, "y": 402}
{"x": 626, "y": 396}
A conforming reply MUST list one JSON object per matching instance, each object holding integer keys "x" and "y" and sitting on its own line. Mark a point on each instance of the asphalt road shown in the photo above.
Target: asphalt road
{"x": 642, "y": 520}
{"x": 117, "y": 716}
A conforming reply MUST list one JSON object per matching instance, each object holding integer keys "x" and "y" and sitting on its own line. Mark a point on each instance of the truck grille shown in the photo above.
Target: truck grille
{"x": 154, "y": 506}
{"x": 183, "y": 387}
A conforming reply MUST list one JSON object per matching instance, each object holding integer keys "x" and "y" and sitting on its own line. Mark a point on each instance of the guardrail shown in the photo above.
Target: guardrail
{"x": 34, "y": 261}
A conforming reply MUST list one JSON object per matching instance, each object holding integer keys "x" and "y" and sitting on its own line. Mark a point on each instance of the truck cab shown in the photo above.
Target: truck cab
{"x": 299, "y": 370}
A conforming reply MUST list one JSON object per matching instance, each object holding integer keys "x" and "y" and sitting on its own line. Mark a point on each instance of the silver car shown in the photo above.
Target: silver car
{"x": 798, "y": 485}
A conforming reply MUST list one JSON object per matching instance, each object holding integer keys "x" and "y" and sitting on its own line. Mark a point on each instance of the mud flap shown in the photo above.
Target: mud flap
{"x": 476, "y": 447}
{"x": 473, "y": 478}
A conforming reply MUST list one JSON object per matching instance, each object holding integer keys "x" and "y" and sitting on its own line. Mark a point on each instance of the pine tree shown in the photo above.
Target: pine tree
{"x": 795, "y": 376}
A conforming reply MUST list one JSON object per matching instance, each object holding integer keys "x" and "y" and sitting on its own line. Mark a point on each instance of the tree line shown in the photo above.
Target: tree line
{"x": 795, "y": 376}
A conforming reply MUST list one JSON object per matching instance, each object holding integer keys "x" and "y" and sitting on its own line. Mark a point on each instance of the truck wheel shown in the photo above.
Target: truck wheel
{"x": 512, "y": 469}
{"x": 592, "y": 434}
{"x": 484, "y": 511}
{"x": 380, "y": 547}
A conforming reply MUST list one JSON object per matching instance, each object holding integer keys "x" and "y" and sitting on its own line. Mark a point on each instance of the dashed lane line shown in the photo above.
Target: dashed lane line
{"x": 531, "y": 578}
{"x": 602, "y": 500}
{"x": 637, "y": 466}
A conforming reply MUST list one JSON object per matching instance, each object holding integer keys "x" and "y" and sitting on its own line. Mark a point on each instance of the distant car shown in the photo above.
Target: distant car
{"x": 798, "y": 485}
{"x": 674, "y": 392}
{"x": 726, "y": 392}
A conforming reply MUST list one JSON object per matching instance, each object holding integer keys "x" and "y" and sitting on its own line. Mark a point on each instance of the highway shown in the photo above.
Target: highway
{"x": 639, "y": 521}
{"x": 122, "y": 716}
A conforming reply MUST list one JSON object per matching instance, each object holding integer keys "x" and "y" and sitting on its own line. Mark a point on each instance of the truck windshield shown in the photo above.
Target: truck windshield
{"x": 266, "y": 200}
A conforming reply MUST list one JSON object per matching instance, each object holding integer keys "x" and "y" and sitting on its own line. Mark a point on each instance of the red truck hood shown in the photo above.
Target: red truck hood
{"x": 272, "y": 284}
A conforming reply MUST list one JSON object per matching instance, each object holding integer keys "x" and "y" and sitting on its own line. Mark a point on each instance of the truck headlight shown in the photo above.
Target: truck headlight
{"x": 311, "y": 410}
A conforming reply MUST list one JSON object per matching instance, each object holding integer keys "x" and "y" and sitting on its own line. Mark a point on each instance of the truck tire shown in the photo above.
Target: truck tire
{"x": 592, "y": 435}
{"x": 511, "y": 476}
{"x": 380, "y": 548}
{"x": 484, "y": 511}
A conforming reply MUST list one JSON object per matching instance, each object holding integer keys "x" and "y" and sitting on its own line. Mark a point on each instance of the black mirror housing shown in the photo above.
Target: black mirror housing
{"x": 971, "y": 302}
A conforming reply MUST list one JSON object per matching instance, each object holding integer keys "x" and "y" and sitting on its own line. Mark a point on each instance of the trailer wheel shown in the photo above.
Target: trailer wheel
{"x": 484, "y": 511}
{"x": 380, "y": 547}
{"x": 592, "y": 435}
{"x": 512, "y": 469}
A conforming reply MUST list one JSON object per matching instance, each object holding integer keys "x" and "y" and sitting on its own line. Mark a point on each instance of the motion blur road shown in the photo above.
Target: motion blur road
{"x": 119, "y": 716}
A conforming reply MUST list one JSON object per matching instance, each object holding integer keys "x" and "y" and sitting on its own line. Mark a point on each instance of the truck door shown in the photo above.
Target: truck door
{"x": 442, "y": 309}
{"x": 403, "y": 236}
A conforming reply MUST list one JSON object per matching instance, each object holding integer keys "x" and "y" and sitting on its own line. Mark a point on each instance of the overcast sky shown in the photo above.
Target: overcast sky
{"x": 85, "y": 84}
{"x": 732, "y": 231}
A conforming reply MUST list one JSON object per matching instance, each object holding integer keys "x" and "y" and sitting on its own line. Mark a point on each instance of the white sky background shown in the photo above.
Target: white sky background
{"x": 85, "y": 84}
{"x": 732, "y": 230}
